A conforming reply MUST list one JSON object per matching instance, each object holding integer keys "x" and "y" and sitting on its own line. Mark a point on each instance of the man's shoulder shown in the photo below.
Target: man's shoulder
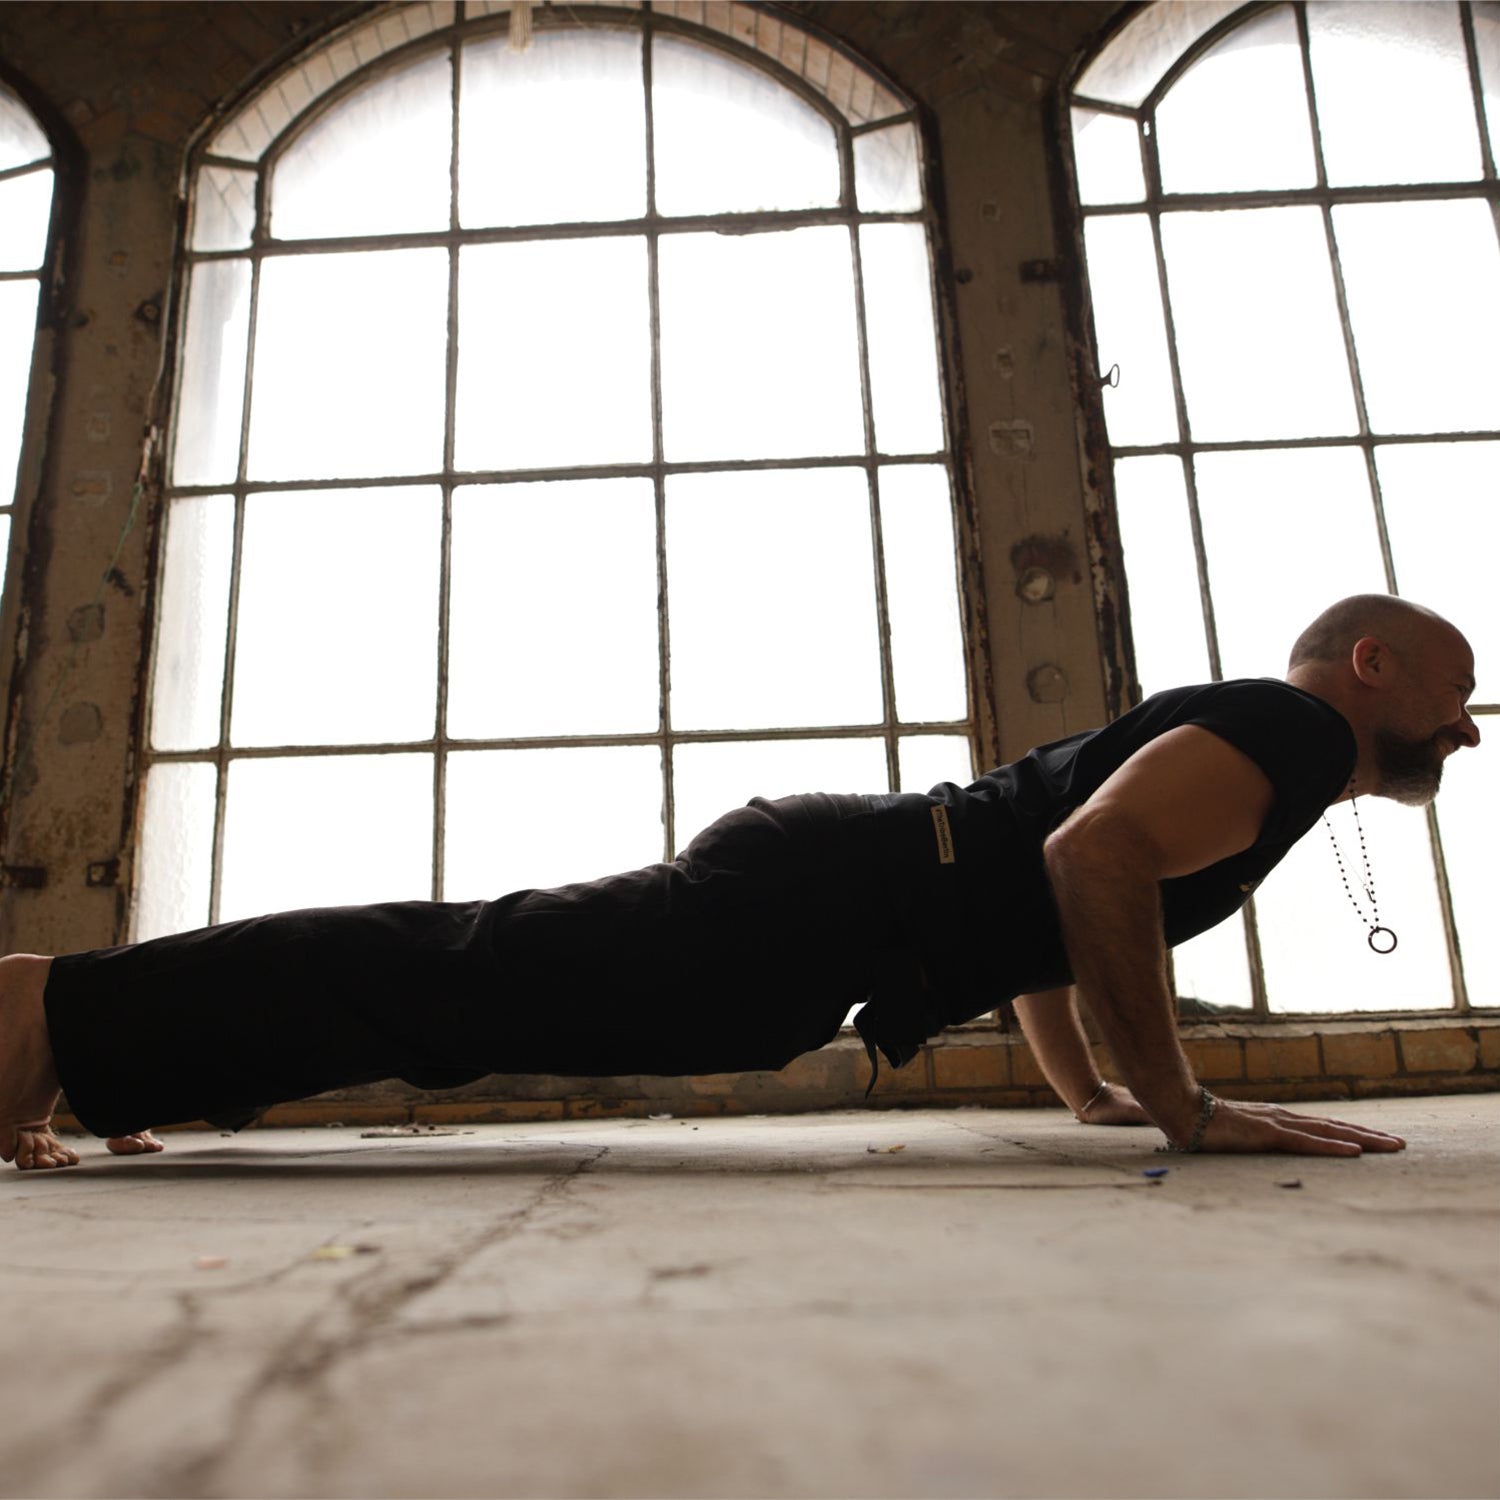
{"x": 1237, "y": 695}
{"x": 1303, "y": 744}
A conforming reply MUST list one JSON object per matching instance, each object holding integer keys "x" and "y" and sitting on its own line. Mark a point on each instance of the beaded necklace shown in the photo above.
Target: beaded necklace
{"x": 1381, "y": 939}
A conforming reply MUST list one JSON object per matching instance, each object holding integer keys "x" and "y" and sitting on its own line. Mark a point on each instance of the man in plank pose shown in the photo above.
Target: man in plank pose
{"x": 1076, "y": 866}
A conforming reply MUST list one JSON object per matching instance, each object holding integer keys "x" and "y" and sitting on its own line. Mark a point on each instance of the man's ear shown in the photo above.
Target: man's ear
{"x": 1370, "y": 661}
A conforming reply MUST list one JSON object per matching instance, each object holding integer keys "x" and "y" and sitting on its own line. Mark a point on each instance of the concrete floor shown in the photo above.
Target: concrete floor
{"x": 757, "y": 1307}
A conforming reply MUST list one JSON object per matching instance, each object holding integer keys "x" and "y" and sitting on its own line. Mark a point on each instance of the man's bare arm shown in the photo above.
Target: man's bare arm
{"x": 1184, "y": 802}
{"x": 1061, "y": 1048}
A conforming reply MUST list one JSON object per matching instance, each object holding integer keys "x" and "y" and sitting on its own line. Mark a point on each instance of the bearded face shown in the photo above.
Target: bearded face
{"x": 1411, "y": 770}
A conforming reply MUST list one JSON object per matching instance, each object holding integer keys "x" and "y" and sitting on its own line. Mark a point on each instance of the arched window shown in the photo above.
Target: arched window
{"x": 26, "y": 180}
{"x": 1290, "y": 216}
{"x": 559, "y": 459}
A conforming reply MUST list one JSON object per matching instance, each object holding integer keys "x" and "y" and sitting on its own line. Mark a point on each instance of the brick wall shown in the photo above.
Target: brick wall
{"x": 1285, "y": 1061}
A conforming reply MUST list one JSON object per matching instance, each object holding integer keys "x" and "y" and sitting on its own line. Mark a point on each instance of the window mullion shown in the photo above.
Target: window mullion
{"x": 1445, "y": 906}
{"x": 877, "y": 561}
{"x": 445, "y": 561}
{"x": 658, "y": 457}
{"x": 1476, "y": 83}
{"x": 226, "y": 702}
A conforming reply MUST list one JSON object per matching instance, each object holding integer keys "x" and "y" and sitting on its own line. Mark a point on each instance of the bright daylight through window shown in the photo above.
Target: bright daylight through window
{"x": 25, "y": 214}
{"x": 1291, "y": 218}
{"x": 559, "y": 459}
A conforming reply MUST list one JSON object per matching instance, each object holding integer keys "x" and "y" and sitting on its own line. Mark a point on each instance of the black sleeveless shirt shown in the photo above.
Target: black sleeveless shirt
{"x": 974, "y": 898}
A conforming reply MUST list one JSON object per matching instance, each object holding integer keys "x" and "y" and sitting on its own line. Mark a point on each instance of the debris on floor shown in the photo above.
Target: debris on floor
{"x": 342, "y": 1252}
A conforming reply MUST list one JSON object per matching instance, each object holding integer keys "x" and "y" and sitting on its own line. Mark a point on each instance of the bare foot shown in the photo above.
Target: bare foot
{"x": 141, "y": 1142}
{"x": 28, "y": 1080}
{"x": 36, "y": 1148}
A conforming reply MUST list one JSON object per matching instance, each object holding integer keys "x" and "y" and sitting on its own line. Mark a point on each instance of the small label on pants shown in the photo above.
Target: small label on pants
{"x": 944, "y": 834}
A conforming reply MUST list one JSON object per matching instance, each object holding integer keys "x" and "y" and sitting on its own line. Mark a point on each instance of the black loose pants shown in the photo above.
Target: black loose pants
{"x": 744, "y": 952}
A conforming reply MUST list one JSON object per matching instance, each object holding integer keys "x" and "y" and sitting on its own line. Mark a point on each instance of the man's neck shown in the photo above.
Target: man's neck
{"x": 1340, "y": 696}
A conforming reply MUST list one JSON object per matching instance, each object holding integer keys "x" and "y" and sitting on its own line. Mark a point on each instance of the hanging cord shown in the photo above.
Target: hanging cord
{"x": 137, "y": 490}
{"x": 1381, "y": 939}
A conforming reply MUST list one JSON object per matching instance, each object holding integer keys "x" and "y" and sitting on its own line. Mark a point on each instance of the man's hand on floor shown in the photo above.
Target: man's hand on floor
{"x": 1238, "y": 1126}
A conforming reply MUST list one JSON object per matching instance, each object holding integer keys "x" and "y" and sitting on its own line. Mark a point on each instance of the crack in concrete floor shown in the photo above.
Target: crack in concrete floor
{"x": 524, "y": 1277}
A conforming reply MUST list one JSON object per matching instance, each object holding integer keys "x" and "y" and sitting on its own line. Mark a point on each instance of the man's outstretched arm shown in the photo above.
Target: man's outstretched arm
{"x": 1180, "y": 804}
{"x": 1061, "y": 1048}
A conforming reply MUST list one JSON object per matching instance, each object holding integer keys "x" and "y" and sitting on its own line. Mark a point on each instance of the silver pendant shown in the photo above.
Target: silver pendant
{"x": 1377, "y": 943}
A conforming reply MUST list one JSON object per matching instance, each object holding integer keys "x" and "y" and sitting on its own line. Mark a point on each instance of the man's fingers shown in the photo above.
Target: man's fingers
{"x": 1239, "y": 1127}
{"x": 1305, "y": 1143}
{"x": 1363, "y": 1135}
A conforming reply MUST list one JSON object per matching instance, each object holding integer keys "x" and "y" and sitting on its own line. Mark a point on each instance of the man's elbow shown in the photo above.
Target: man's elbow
{"x": 1100, "y": 838}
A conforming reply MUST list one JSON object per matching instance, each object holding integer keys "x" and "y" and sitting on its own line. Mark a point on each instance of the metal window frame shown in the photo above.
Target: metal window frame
{"x": 1154, "y": 204}
{"x": 652, "y": 226}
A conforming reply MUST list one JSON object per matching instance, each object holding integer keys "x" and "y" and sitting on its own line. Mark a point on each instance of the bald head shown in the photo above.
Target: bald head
{"x": 1401, "y": 675}
{"x": 1333, "y": 635}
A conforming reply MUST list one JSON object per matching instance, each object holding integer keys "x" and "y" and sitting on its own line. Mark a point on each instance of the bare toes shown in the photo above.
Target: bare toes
{"x": 134, "y": 1144}
{"x": 39, "y": 1150}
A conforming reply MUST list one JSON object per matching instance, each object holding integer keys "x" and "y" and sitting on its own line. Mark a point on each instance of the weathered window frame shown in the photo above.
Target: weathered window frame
{"x": 852, "y": 96}
{"x": 1176, "y": 33}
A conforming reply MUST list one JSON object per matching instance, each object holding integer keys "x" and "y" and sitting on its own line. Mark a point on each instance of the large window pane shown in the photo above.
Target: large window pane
{"x": 1442, "y": 512}
{"x": 25, "y": 211}
{"x": 730, "y": 139}
{"x": 1426, "y": 338}
{"x": 338, "y": 617}
{"x": 1130, "y": 330}
{"x": 1286, "y": 533}
{"x": 1394, "y": 101}
{"x": 760, "y": 357}
{"x": 223, "y": 209}
{"x": 17, "y": 329}
{"x": 927, "y": 759}
{"x": 552, "y": 612}
{"x": 555, "y": 134}
{"x": 513, "y": 817}
{"x": 1313, "y": 944}
{"x": 772, "y": 600}
{"x": 710, "y": 779}
{"x": 1466, "y": 824}
{"x": 905, "y": 387}
{"x": 1127, "y": 70}
{"x": 554, "y": 367}
{"x": 1166, "y": 613}
{"x": 326, "y": 830}
{"x": 377, "y": 163}
{"x": 176, "y": 859}
{"x": 21, "y": 138}
{"x": 1238, "y": 117}
{"x": 927, "y": 648}
{"x": 887, "y": 171}
{"x": 1258, "y": 335}
{"x": 1215, "y": 966}
{"x": 211, "y": 391}
{"x": 191, "y": 629}
{"x": 358, "y": 342}
{"x": 1107, "y": 152}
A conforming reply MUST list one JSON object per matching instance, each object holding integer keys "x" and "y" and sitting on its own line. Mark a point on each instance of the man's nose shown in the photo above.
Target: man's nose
{"x": 1467, "y": 730}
